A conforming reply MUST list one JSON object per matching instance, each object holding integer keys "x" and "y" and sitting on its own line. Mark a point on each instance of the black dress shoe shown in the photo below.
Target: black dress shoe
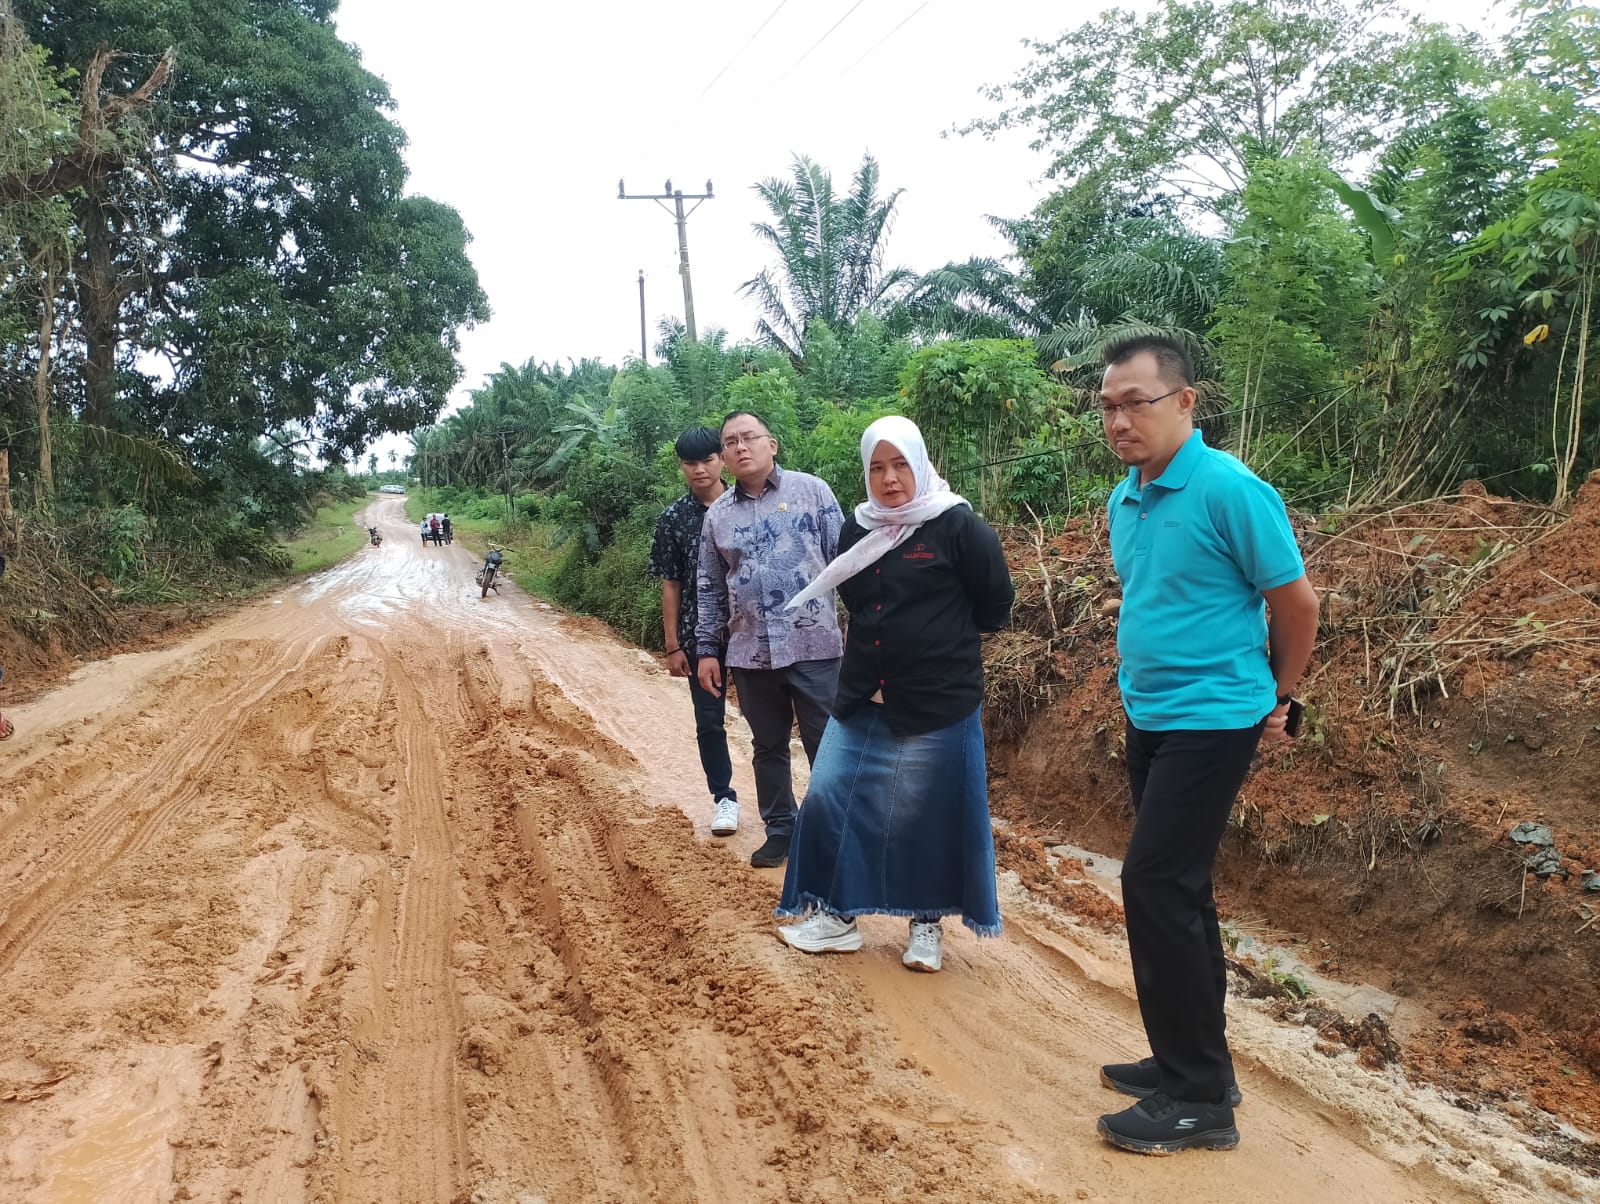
{"x": 774, "y": 852}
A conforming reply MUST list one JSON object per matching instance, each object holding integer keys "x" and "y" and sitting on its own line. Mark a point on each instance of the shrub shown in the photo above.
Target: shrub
{"x": 613, "y": 585}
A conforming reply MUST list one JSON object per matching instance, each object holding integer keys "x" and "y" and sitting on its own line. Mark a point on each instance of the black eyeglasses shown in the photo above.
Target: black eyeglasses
{"x": 1109, "y": 410}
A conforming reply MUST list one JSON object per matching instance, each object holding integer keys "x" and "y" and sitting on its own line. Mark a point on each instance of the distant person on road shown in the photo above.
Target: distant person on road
{"x": 763, "y": 542}
{"x": 896, "y": 821}
{"x": 1204, "y": 549}
{"x": 425, "y": 530}
{"x": 444, "y": 524}
{"x": 434, "y": 529}
{"x": 675, "y": 559}
{"x": 7, "y": 729}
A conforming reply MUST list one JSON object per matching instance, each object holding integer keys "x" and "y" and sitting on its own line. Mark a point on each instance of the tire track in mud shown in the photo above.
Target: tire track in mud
{"x": 713, "y": 1074}
{"x": 135, "y": 815}
{"x": 410, "y": 1124}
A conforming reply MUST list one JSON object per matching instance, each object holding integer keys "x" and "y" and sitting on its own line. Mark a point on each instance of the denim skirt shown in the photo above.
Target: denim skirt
{"x": 896, "y": 825}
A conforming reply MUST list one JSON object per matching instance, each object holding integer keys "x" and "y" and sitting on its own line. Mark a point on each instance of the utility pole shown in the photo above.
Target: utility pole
{"x": 677, "y": 197}
{"x": 643, "y": 356}
{"x": 505, "y": 467}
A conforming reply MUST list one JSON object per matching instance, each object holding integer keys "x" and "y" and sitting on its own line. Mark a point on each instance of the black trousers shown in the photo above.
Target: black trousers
{"x": 773, "y": 702}
{"x": 711, "y": 734}
{"x": 1183, "y": 785}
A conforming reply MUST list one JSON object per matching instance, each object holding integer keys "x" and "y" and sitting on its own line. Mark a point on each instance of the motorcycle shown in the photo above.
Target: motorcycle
{"x": 488, "y": 576}
{"x": 375, "y": 536}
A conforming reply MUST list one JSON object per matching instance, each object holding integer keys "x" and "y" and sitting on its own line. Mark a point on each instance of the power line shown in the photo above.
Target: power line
{"x": 881, "y": 41}
{"x": 689, "y": 108}
{"x": 807, "y": 54}
{"x": 733, "y": 59}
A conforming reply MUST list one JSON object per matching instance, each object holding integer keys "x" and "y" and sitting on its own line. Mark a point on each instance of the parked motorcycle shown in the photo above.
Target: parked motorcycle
{"x": 375, "y": 536}
{"x": 489, "y": 575}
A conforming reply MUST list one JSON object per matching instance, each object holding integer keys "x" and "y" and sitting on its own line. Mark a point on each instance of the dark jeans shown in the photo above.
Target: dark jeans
{"x": 1183, "y": 785}
{"x": 711, "y": 734}
{"x": 772, "y": 700}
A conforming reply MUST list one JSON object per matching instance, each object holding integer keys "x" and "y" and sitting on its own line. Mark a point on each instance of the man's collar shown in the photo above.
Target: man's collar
{"x": 1181, "y": 467}
{"x": 690, "y": 495}
{"x": 773, "y": 479}
{"x": 1178, "y": 470}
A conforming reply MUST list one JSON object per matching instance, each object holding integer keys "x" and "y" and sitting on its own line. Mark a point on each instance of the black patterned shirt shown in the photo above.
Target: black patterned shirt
{"x": 675, "y": 556}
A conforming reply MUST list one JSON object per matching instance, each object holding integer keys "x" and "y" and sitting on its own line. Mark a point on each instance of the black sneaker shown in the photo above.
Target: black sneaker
{"x": 773, "y": 853}
{"x": 1142, "y": 1079}
{"x": 1163, "y": 1125}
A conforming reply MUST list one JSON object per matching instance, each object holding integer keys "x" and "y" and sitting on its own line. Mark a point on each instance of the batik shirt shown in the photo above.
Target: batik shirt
{"x": 757, "y": 552}
{"x": 675, "y": 556}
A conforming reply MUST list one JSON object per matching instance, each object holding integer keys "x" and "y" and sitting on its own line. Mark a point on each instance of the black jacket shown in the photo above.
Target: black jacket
{"x": 915, "y": 618}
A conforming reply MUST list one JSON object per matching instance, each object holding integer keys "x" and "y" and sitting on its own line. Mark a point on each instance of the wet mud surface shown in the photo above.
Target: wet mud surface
{"x": 377, "y": 890}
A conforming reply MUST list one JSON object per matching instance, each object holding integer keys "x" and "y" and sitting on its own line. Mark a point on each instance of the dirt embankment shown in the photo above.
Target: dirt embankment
{"x": 54, "y": 616}
{"x": 1455, "y": 694}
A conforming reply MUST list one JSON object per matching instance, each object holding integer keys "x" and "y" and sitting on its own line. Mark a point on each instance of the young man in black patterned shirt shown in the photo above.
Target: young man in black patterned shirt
{"x": 674, "y": 558}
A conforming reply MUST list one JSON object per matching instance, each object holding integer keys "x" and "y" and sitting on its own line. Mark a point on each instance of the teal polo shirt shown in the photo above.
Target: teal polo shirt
{"x": 1195, "y": 549}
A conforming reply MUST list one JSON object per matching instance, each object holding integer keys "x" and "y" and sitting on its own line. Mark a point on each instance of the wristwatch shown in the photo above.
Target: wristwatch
{"x": 1283, "y": 698}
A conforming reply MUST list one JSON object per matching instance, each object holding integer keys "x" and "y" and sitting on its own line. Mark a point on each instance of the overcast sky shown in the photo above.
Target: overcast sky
{"x": 524, "y": 115}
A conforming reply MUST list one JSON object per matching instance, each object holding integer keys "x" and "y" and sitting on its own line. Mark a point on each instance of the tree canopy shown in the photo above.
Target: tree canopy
{"x": 248, "y": 263}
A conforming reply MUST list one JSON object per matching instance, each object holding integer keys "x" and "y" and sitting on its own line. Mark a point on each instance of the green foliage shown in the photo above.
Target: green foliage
{"x": 1096, "y": 268}
{"x": 1545, "y": 280}
{"x": 976, "y": 403}
{"x": 829, "y": 254}
{"x": 863, "y": 359}
{"x": 613, "y": 584}
{"x": 255, "y": 236}
{"x": 773, "y": 396}
{"x": 832, "y": 448}
{"x": 330, "y": 536}
{"x": 1187, "y": 97}
{"x": 1299, "y": 297}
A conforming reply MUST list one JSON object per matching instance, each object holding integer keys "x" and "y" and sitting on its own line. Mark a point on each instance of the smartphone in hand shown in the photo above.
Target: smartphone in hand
{"x": 1291, "y": 722}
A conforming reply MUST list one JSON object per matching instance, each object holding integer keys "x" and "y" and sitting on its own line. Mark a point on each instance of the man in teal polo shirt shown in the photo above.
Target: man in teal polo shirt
{"x": 1204, "y": 550}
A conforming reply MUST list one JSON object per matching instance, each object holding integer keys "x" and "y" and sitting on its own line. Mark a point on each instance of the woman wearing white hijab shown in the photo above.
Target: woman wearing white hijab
{"x": 896, "y": 821}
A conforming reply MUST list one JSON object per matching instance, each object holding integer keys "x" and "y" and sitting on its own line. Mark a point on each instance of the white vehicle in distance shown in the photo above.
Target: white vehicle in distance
{"x": 391, "y": 489}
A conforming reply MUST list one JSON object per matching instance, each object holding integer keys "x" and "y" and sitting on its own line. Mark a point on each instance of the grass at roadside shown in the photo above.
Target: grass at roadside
{"x": 328, "y": 538}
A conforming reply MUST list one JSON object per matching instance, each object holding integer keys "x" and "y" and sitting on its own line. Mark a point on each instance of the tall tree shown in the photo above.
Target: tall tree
{"x": 1184, "y": 98}
{"x": 829, "y": 250}
{"x": 1093, "y": 269}
{"x": 265, "y": 252}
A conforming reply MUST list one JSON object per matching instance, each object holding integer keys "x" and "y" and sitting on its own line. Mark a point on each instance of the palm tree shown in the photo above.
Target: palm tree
{"x": 1095, "y": 275}
{"x": 585, "y": 423}
{"x": 830, "y": 254}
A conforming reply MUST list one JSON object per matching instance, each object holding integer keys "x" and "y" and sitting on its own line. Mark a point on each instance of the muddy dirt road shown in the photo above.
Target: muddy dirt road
{"x": 377, "y": 891}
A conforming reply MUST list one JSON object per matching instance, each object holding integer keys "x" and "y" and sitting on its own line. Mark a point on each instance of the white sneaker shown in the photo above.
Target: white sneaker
{"x": 925, "y": 951}
{"x": 725, "y": 820}
{"x": 822, "y": 932}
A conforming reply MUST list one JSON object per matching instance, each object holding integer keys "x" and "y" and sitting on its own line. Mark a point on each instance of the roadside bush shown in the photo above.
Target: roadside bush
{"x": 832, "y": 449}
{"x": 613, "y": 585}
{"x": 977, "y": 402}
